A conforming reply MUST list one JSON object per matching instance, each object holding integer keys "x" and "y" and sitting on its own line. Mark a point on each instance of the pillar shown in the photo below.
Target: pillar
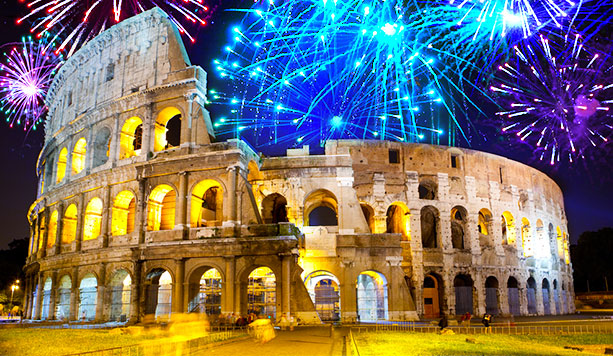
{"x": 100, "y": 293}
{"x": 178, "y": 288}
{"x": 229, "y": 287}
{"x": 135, "y": 292}
{"x": 149, "y": 123}
{"x": 80, "y": 216}
{"x": 286, "y": 286}
{"x": 53, "y": 295}
{"x": 74, "y": 295}
{"x": 349, "y": 307}
{"x": 107, "y": 214}
{"x": 181, "y": 211}
{"x": 45, "y": 232}
{"x": 115, "y": 142}
{"x": 39, "y": 296}
{"x": 232, "y": 194}
{"x": 60, "y": 227}
{"x": 141, "y": 210}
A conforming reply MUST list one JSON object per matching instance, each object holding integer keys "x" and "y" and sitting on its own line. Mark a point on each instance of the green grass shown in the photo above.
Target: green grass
{"x": 405, "y": 343}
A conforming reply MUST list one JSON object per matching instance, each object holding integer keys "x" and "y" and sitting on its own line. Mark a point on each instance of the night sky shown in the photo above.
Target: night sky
{"x": 587, "y": 185}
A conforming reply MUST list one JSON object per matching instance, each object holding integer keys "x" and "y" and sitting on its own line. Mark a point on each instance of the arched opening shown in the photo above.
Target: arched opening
{"x": 429, "y": 218}
{"x": 161, "y": 208}
{"x": 320, "y": 209}
{"x": 121, "y": 292}
{"x": 62, "y": 308}
{"x": 52, "y": 230}
{"x": 432, "y": 294}
{"x": 508, "y": 229}
{"x": 491, "y": 295}
{"x": 167, "y": 131}
{"x": 484, "y": 226}
{"x": 46, "y": 299}
{"x": 566, "y": 250}
{"x": 369, "y": 216}
{"x": 69, "y": 228}
{"x": 131, "y": 138}
{"x": 41, "y": 232}
{"x": 88, "y": 292}
{"x": 513, "y": 295}
{"x": 78, "y": 156}
{"x": 556, "y": 297}
{"x": 526, "y": 238}
{"x": 324, "y": 290}
{"x": 92, "y": 221}
{"x": 560, "y": 244}
{"x": 207, "y": 296}
{"x": 399, "y": 220}
{"x": 207, "y": 204}
{"x": 102, "y": 147}
{"x": 531, "y": 295}
{"x": 159, "y": 294}
{"x": 427, "y": 190}
{"x": 124, "y": 210}
{"x": 261, "y": 292}
{"x": 545, "y": 290}
{"x": 274, "y": 209}
{"x": 372, "y": 296}
{"x": 62, "y": 159}
{"x": 463, "y": 285}
{"x": 458, "y": 226}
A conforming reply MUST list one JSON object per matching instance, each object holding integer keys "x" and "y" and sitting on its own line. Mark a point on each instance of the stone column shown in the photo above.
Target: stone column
{"x": 74, "y": 295}
{"x": 231, "y": 218}
{"x": 349, "y": 307}
{"x": 449, "y": 294}
{"x": 115, "y": 142}
{"x": 177, "y": 300}
{"x": 39, "y": 296}
{"x": 186, "y": 125}
{"x": 444, "y": 230}
{"x": 135, "y": 290}
{"x": 100, "y": 294}
{"x": 479, "y": 287}
{"x": 181, "y": 211}
{"x": 107, "y": 219}
{"x": 60, "y": 227}
{"x": 53, "y": 295}
{"x": 45, "y": 232}
{"x": 523, "y": 301}
{"x": 148, "y": 132}
{"x": 141, "y": 211}
{"x": 380, "y": 224}
{"x": 287, "y": 284}
{"x": 503, "y": 299}
{"x": 80, "y": 216}
{"x": 228, "y": 287}
{"x": 540, "y": 307}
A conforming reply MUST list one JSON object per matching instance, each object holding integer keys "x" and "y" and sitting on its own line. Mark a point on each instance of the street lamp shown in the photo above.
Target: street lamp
{"x": 13, "y": 288}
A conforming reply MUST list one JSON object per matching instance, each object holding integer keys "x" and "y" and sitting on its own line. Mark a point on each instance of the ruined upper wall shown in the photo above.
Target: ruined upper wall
{"x": 137, "y": 55}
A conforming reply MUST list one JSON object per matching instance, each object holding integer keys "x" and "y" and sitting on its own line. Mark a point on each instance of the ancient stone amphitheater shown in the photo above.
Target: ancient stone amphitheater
{"x": 140, "y": 211}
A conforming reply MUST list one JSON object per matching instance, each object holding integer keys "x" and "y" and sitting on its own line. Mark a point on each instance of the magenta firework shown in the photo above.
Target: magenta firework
{"x": 26, "y": 71}
{"x": 554, "y": 97}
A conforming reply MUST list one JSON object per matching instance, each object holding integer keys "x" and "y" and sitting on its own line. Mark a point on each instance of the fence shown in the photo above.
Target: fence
{"x": 167, "y": 347}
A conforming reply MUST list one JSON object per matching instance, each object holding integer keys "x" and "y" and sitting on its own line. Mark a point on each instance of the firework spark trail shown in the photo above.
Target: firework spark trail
{"x": 313, "y": 70}
{"x": 555, "y": 98}
{"x": 77, "y": 21}
{"x": 26, "y": 72}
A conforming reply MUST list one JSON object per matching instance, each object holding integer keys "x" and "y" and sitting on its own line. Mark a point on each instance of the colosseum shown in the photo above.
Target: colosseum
{"x": 142, "y": 212}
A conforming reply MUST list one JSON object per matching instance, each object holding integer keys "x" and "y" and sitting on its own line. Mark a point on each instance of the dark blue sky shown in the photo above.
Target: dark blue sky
{"x": 587, "y": 186}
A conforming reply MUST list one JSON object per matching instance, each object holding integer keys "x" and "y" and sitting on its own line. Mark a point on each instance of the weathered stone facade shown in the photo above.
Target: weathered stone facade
{"x": 133, "y": 188}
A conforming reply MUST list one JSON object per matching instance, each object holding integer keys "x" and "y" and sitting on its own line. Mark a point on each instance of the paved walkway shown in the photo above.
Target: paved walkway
{"x": 312, "y": 341}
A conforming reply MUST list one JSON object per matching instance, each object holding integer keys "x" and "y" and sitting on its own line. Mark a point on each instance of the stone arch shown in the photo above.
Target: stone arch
{"x": 556, "y": 297}
{"x": 369, "y": 216}
{"x": 484, "y": 226}
{"x": 458, "y": 226}
{"x": 52, "y": 229}
{"x": 102, "y": 146}
{"x": 399, "y": 220}
{"x": 552, "y": 242}
{"x": 491, "y": 295}
{"x": 254, "y": 172}
{"x": 121, "y": 293}
{"x": 167, "y": 132}
{"x": 274, "y": 209}
{"x": 79, "y": 153}
{"x": 205, "y": 290}
{"x": 62, "y": 309}
{"x": 526, "y": 238}
{"x": 508, "y": 229}
{"x": 433, "y": 295}
{"x": 540, "y": 242}
{"x": 463, "y": 286}
{"x": 161, "y": 208}
{"x": 531, "y": 295}
{"x": 262, "y": 292}
{"x": 324, "y": 290}
{"x": 513, "y": 296}
{"x": 124, "y": 212}
{"x": 372, "y": 301}
{"x": 158, "y": 295}
{"x": 430, "y": 221}
{"x": 92, "y": 221}
{"x": 69, "y": 222}
{"x": 88, "y": 294}
{"x": 206, "y": 204}
{"x": 545, "y": 294}
{"x": 131, "y": 138}
{"x": 47, "y": 291}
{"x": 320, "y": 208}
{"x": 62, "y": 160}
{"x": 427, "y": 189}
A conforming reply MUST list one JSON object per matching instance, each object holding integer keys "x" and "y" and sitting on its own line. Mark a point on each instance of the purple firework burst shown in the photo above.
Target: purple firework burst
{"x": 26, "y": 72}
{"x": 555, "y": 97}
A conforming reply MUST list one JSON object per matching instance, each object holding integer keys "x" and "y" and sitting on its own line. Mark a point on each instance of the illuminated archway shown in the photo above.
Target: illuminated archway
{"x": 369, "y": 216}
{"x": 124, "y": 208}
{"x": 159, "y": 294}
{"x": 52, "y": 230}
{"x": 433, "y": 294}
{"x": 540, "y": 244}
{"x": 513, "y": 296}
{"x": 121, "y": 292}
{"x": 131, "y": 138}
{"x": 45, "y": 313}
{"x": 324, "y": 290}
{"x": 41, "y": 232}
{"x": 88, "y": 293}
{"x": 458, "y": 227}
{"x": 526, "y": 238}
{"x": 371, "y": 296}
{"x": 463, "y": 286}
{"x": 92, "y": 221}
{"x": 274, "y": 209}
{"x": 508, "y": 229}
{"x": 261, "y": 292}
{"x": 69, "y": 228}
{"x": 167, "y": 133}
{"x": 61, "y": 165}
{"x": 78, "y": 156}
{"x": 321, "y": 209}
{"x": 429, "y": 221}
{"x": 62, "y": 310}
{"x": 560, "y": 243}
{"x": 206, "y": 204}
{"x": 206, "y": 297}
{"x": 399, "y": 220}
{"x": 161, "y": 208}
{"x": 102, "y": 146}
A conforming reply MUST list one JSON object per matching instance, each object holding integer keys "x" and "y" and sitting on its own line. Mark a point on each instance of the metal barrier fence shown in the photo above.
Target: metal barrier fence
{"x": 593, "y": 328}
{"x": 167, "y": 347}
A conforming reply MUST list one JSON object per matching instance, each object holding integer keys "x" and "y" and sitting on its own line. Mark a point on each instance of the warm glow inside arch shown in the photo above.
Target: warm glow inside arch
{"x": 61, "y": 165}
{"x": 52, "y": 230}
{"x": 161, "y": 128}
{"x": 130, "y": 138}
{"x": 508, "y": 229}
{"x": 69, "y": 231}
{"x": 124, "y": 208}
{"x": 161, "y": 208}
{"x": 206, "y": 204}
{"x": 78, "y": 156}
{"x": 93, "y": 219}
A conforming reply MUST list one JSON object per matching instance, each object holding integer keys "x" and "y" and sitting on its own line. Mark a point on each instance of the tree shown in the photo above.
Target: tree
{"x": 592, "y": 260}
{"x": 12, "y": 261}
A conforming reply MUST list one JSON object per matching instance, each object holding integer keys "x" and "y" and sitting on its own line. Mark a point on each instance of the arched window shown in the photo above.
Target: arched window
{"x": 206, "y": 204}
{"x": 399, "y": 220}
{"x": 429, "y": 218}
{"x": 208, "y": 299}
{"x": 261, "y": 292}
{"x": 491, "y": 295}
{"x": 102, "y": 147}
{"x": 513, "y": 296}
{"x": 540, "y": 243}
{"x": 167, "y": 129}
{"x": 46, "y": 299}
{"x": 526, "y": 238}
{"x": 93, "y": 219}
{"x": 372, "y": 296}
{"x": 458, "y": 226}
{"x": 274, "y": 209}
{"x": 121, "y": 291}
{"x": 78, "y": 156}
{"x": 463, "y": 285}
{"x": 88, "y": 293}
{"x": 485, "y": 220}
{"x": 320, "y": 209}
{"x": 427, "y": 190}
{"x": 124, "y": 208}
{"x": 161, "y": 208}
{"x": 62, "y": 308}
{"x": 131, "y": 138}
{"x": 531, "y": 295}
{"x": 545, "y": 290}
{"x": 61, "y": 165}
{"x": 324, "y": 291}
{"x": 508, "y": 229}
{"x": 69, "y": 229}
{"x": 158, "y": 294}
{"x": 52, "y": 231}
{"x": 369, "y": 216}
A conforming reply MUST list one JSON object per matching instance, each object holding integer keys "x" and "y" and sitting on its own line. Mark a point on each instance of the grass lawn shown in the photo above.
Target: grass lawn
{"x": 52, "y": 342}
{"x": 405, "y": 343}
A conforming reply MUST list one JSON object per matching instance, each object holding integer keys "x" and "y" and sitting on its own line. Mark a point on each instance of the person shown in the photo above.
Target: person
{"x": 443, "y": 323}
{"x": 465, "y": 321}
{"x": 487, "y": 320}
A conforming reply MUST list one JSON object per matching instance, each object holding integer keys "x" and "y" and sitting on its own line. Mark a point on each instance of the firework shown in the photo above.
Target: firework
{"x": 25, "y": 75}
{"x": 556, "y": 98}
{"x": 314, "y": 70}
{"x": 77, "y": 21}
